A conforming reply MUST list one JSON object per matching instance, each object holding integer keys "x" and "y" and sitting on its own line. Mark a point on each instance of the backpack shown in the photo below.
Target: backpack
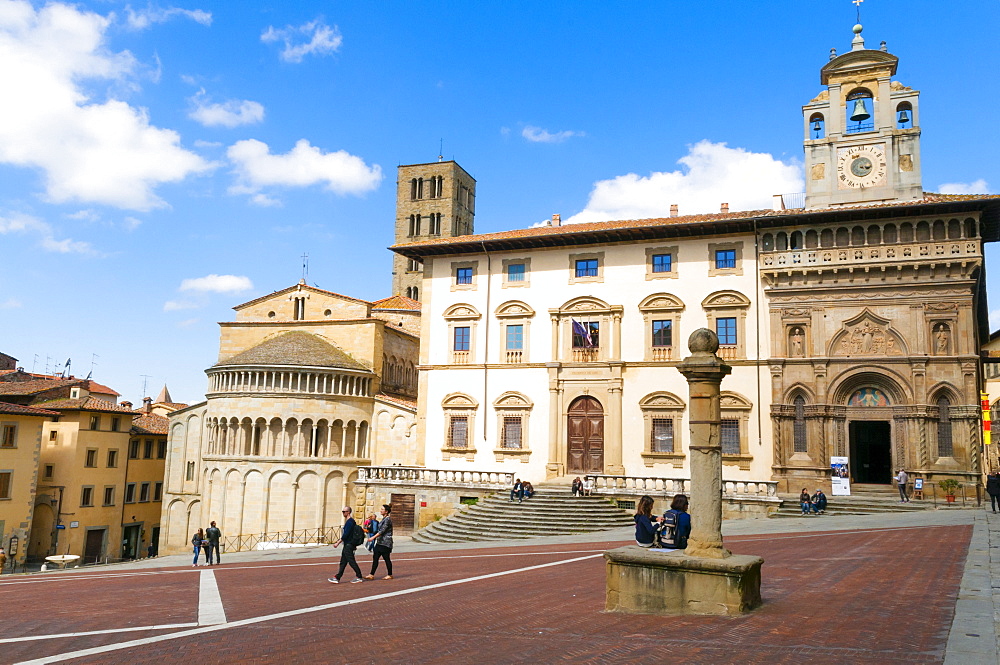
{"x": 357, "y": 536}
{"x": 666, "y": 531}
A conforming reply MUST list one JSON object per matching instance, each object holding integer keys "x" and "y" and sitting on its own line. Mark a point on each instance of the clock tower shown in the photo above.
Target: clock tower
{"x": 862, "y": 132}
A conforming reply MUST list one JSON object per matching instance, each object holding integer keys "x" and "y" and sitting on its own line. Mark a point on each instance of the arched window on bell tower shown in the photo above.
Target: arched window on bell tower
{"x": 817, "y": 126}
{"x": 860, "y": 109}
{"x": 904, "y": 115}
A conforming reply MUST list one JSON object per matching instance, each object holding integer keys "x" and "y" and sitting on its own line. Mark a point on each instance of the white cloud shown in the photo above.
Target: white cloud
{"x": 310, "y": 38}
{"x": 176, "y": 305}
{"x": 104, "y": 152}
{"x": 84, "y": 215}
{"x": 976, "y": 187}
{"x": 11, "y": 303}
{"x": 26, "y": 224}
{"x": 302, "y": 166}
{"x": 142, "y": 19}
{"x": 539, "y": 135}
{"x": 712, "y": 174}
{"x": 131, "y": 223}
{"x": 231, "y": 113}
{"x": 217, "y": 284}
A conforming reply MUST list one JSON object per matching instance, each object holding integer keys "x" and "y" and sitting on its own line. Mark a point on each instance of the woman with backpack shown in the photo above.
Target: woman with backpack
{"x": 383, "y": 544}
{"x": 675, "y": 526}
{"x": 645, "y": 527}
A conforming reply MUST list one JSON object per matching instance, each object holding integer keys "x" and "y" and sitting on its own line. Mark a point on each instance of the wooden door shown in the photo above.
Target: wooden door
{"x": 585, "y": 436}
{"x": 402, "y": 511}
{"x": 94, "y": 548}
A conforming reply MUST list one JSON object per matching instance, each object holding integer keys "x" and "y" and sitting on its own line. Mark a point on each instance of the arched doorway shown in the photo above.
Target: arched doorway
{"x": 585, "y": 436}
{"x": 870, "y": 436}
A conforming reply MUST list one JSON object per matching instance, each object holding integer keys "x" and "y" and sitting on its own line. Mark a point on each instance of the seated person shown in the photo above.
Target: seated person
{"x": 645, "y": 527}
{"x": 675, "y": 525}
{"x": 577, "y": 487}
{"x": 806, "y": 501}
{"x": 529, "y": 489}
{"x": 819, "y": 502}
{"x": 518, "y": 491}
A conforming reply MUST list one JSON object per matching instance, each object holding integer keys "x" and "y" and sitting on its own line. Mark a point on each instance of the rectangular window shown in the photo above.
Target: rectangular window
{"x": 144, "y": 492}
{"x": 161, "y": 450}
{"x": 586, "y": 334}
{"x": 189, "y": 473}
{"x": 157, "y": 491}
{"x": 458, "y": 432}
{"x": 586, "y": 268}
{"x": 109, "y": 496}
{"x": 147, "y": 449}
{"x": 512, "y": 432}
{"x": 725, "y": 328}
{"x": 662, "y": 436}
{"x": 87, "y": 497}
{"x": 463, "y": 275}
{"x": 9, "y": 439}
{"x": 130, "y": 493}
{"x": 462, "y": 337}
{"x": 730, "y": 434}
{"x": 662, "y": 262}
{"x": 52, "y": 435}
{"x": 5, "y": 483}
{"x": 49, "y": 470}
{"x": 91, "y": 459}
{"x": 95, "y": 422}
{"x": 515, "y": 272}
{"x": 115, "y": 424}
{"x": 515, "y": 337}
{"x": 663, "y": 333}
{"x": 725, "y": 258}
{"x": 112, "y": 459}
{"x": 133, "y": 449}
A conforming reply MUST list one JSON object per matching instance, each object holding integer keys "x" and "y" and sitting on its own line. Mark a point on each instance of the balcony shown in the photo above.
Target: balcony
{"x": 514, "y": 357}
{"x": 662, "y": 353}
{"x": 585, "y": 355}
{"x": 729, "y": 352}
{"x": 460, "y": 358}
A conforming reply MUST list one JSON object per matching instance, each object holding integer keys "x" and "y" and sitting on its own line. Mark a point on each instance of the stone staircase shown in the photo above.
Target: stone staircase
{"x": 856, "y": 504}
{"x": 553, "y": 511}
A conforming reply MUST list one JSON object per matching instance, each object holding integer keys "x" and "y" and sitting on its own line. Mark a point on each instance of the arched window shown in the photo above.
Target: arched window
{"x": 860, "y": 109}
{"x": 945, "y": 448}
{"x": 799, "y": 442}
{"x": 904, "y": 115}
{"x": 817, "y": 126}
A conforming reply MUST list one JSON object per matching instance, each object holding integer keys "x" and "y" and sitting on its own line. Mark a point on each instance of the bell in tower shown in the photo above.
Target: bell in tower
{"x": 862, "y": 135}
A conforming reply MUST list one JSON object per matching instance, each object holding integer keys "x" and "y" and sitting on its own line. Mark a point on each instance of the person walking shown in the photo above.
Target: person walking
{"x": 348, "y": 536}
{"x": 214, "y": 535}
{"x": 993, "y": 489}
{"x": 197, "y": 539}
{"x": 901, "y": 479}
{"x": 383, "y": 544}
{"x": 370, "y": 527}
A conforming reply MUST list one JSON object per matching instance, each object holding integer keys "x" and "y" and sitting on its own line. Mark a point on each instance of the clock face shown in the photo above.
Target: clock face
{"x": 861, "y": 166}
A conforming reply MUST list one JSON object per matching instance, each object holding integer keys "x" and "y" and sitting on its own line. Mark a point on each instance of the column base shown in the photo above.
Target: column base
{"x": 674, "y": 583}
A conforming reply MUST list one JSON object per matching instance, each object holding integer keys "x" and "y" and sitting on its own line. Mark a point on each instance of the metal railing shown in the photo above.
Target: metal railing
{"x": 247, "y": 542}
{"x": 614, "y": 484}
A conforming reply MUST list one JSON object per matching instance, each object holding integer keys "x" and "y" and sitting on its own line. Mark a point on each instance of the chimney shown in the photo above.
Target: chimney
{"x": 556, "y": 220}
{"x": 724, "y": 209}
{"x": 673, "y": 210}
{"x": 147, "y": 404}
{"x": 127, "y": 405}
{"x": 779, "y": 203}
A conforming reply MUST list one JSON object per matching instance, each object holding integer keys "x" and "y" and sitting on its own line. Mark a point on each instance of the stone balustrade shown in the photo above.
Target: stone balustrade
{"x": 639, "y": 485}
{"x": 851, "y": 256}
{"x": 412, "y": 475}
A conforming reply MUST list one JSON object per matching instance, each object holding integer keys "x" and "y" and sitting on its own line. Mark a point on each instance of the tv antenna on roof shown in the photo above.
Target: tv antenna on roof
{"x": 145, "y": 378}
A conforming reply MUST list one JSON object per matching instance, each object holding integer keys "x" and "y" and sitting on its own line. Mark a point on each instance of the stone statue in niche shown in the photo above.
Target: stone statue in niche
{"x": 942, "y": 339}
{"x": 796, "y": 343}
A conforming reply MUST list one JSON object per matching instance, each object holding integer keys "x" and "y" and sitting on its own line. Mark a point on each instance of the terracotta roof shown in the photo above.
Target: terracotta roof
{"x": 402, "y": 401}
{"x": 397, "y": 302}
{"x": 149, "y": 423}
{"x": 88, "y": 403}
{"x": 294, "y": 348}
{"x": 173, "y": 406}
{"x": 19, "y": 410}
{"x": 35, "y": 386}
{"x": 294, "y": 288}
{"x": 101, "y": 389}
{"x": 639, "y": 229}
{"x": 164, "y": 396}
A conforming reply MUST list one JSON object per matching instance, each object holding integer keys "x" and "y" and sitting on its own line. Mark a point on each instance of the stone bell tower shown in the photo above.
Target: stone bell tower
{"x": 435, "y": 200}
{"x": 862, "y": 133}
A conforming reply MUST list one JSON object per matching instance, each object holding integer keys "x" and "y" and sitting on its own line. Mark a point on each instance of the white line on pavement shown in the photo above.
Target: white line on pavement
{"x": 282, "y": 615}
{"x": 130, "y": 629}
{"x": 210, "y": 609}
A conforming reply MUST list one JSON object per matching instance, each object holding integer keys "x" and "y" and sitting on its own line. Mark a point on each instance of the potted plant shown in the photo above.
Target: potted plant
{"x": 948, "y": 486}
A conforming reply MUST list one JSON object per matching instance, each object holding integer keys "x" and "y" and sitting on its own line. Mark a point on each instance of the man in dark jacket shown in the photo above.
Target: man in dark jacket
{"x": 213, "y": 535}
{"x": 347, "y": 554}
{"x": 993, "y": 489}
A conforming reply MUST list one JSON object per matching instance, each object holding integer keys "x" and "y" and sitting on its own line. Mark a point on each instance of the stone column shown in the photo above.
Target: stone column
{"x": 704, "y": 372}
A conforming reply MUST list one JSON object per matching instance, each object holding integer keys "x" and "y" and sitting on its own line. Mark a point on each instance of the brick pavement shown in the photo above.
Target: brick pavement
{"x": 881, "y": 596}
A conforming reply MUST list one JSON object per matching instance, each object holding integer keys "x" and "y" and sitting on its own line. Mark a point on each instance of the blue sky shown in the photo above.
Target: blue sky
{"x": 162, "y": 163}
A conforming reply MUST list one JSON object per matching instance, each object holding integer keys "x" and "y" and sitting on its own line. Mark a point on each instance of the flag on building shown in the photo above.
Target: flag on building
{"x": 582, "y": 332}
{"x": 986, "y": 418}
